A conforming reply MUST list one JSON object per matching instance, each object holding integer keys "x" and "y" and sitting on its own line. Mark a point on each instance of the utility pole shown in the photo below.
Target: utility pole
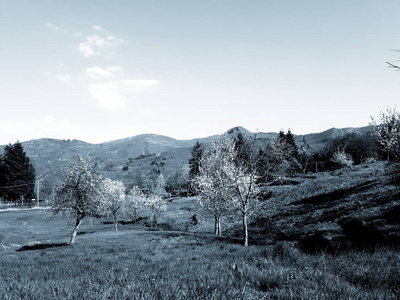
{"x": 38, "y": 189}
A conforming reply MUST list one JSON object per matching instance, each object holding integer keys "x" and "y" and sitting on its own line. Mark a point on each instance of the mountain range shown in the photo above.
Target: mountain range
{"x": 125, "y": 159}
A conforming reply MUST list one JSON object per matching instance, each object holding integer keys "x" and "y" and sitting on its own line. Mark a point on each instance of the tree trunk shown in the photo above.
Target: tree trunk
{"x": 155, "y": 218}
{"x": 115, "y": 222}
{"x": 217, "y": 225}
{"x": 79, "y": 219}
{"x": 245, "y": 231}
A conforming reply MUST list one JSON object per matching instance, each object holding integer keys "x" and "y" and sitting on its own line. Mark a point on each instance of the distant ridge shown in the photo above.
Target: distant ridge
{"x": 124, "y": 158}
{"x": 156, "y": 138}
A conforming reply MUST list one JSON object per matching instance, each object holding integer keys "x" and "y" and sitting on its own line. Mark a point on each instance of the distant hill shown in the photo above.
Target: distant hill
{"x": 123, "y": 159}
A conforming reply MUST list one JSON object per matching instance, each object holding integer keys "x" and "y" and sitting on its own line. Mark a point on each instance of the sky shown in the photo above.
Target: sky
{"x": 103, "y": 70}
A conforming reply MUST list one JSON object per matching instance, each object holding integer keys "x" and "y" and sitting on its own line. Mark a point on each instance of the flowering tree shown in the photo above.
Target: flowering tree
{"x": 156, "y": 204}
{"x": 80, "y": 192}
{"x": 246, "y": 196}
{"x": 387, "y": 129}
{"x": 114, "y": 193}
{"x": 135, "y": 201}
{"x": 157, "y": 185}
{"x": 227, "y": 184}
{"x": 212, "y": 183}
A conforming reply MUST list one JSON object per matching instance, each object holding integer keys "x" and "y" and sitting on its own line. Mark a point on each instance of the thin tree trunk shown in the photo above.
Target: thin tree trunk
{"x": 245, "y": 231}
{"x": 115, "y": 222}
{"x": 155, "y": 218}
{"x": 79, "y": 219}
{"x": 217, "y": 225}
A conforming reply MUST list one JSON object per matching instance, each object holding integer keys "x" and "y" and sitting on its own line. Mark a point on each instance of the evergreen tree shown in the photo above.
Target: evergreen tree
{"x": 284, "y": 154}
{"x": 18, "y": 172}
{"x": 293, "y": 150}
{"x": 243, "y": 151}
{"x": 194, "y": 162}
{"x": 2, "y": 176}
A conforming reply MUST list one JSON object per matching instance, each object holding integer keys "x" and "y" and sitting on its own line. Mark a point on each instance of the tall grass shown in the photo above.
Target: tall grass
{"x": 165, "y": 265}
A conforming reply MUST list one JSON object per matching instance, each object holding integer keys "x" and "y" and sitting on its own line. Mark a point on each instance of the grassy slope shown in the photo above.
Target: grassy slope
{"x": 347, "y": 206}
{"x": 185, "y": 263}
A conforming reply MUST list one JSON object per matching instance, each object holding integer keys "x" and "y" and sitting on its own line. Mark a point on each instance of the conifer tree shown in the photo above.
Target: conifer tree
{"x": 194, "y": 162}
{"x": 243, "y": 151}
{"x": 291, "y": 143}
{"x": 18, "y": 174}
{"x": 2, "y": 176}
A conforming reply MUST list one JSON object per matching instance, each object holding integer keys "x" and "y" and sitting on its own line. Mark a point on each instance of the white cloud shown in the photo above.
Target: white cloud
{"x": 92, "y": 42}
{"x": 114, "y": 95}
{"x": 63, "y": 77}
{"x": 53, "y": 27}
{"x": 78, "y": 34}
{"x": 97, "y": 73}
{"x": 96, "y": 27}
{"x": 114, "y": 69}
{"x": 114, "y": 39}
{"x": 95, "y": 43}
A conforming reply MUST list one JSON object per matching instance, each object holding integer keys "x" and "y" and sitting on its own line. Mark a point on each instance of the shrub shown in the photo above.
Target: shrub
{"x": 342, "y": 158}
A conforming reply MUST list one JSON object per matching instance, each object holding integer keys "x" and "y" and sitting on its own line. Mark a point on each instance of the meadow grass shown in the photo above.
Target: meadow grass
{"x": 135, "y": 263}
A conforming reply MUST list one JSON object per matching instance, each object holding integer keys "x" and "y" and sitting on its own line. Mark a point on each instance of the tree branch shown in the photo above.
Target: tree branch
{"x": 393, "y": 66}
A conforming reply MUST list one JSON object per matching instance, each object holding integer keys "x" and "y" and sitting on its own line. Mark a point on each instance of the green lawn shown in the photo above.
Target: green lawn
{"x": 138, "y": 263}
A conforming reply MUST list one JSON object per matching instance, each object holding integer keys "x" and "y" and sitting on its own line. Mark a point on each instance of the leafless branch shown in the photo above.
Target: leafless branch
{"x": 393, "y": 66}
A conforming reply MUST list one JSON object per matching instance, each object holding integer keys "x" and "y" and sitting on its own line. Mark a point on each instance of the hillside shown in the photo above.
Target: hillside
{"x": 123, "y": 159}
{"x": 346, "y": 208}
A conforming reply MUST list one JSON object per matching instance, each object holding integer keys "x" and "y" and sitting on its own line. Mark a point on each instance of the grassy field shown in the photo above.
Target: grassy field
{"x": 185, "y": 263}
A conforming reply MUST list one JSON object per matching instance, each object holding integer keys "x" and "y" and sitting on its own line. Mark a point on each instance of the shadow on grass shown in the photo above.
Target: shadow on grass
{"x": 131, "y": 222}
{"x": 84, "y": 232}
{"x": 42, "y": 246}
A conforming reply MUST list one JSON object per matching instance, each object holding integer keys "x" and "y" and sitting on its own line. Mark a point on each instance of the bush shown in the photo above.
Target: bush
{"x": 342, "y": 158}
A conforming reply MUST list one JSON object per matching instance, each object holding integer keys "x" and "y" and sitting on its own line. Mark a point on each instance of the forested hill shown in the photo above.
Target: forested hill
{"x": 124, "y": 159}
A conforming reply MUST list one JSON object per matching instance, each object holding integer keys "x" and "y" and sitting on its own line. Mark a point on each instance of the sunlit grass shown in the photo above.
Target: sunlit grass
{"x": 136, "y": 263}
{"x": 164, "y": 265}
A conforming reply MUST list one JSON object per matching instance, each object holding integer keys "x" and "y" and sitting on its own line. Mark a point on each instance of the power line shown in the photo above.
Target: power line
{"x": 17, "y": 185}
